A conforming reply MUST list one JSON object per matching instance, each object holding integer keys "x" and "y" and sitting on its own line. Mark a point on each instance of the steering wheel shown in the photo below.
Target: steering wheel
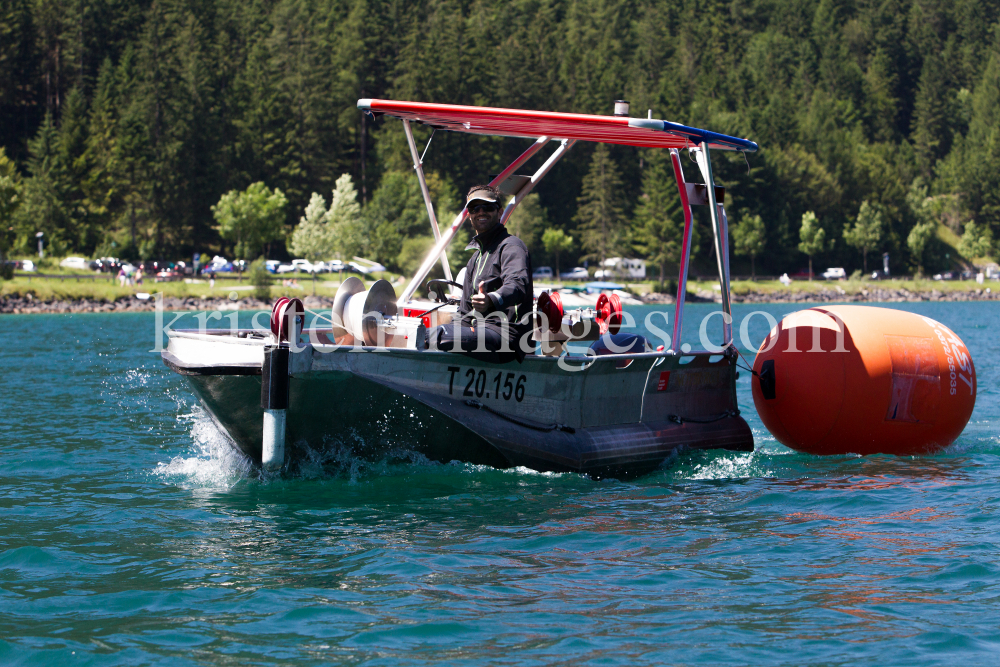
{"x": 439, "y": 288}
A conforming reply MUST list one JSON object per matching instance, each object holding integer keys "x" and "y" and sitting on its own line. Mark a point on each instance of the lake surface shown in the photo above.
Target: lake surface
{"x": 131, "y": 534}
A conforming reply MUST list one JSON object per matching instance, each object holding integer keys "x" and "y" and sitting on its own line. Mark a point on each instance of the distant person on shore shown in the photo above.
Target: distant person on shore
{"x": 138, "y": 276}
{"x": 211, "y": 279}
{"x": 122, "y": 276}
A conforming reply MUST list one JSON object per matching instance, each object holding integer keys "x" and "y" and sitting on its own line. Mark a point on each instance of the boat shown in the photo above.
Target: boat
{"x": 362, "y": 380}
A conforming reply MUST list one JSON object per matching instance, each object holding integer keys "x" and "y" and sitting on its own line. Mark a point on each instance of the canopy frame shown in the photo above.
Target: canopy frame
{"x": 418, "y": 166}
{"x": 570, "y": 128}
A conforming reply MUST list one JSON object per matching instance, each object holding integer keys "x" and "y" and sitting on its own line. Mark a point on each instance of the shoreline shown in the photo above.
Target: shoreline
{"x": 837, "y": 295}
{"x": 23, "y": 305}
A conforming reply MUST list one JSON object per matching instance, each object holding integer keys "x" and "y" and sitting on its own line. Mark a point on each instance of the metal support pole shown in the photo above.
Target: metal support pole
{"x": 675, "y": 341}
{"x": 274, "y": 401}
{"x": 526, "y": 189}
{"x": 460, "y": 218}
{"x": 418, "y": 166}
{"x": 721, "y": 234}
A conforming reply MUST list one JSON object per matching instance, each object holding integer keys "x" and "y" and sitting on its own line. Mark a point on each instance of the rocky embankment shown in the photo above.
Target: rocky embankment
{"x": 870, "y": 295}
{"x": 30, "y": 304}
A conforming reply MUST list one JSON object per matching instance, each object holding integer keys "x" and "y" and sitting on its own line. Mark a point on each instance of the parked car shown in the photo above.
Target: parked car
{"x": 26, "y": 265}
{"x": 835, "y": 274}
{"x": 284, "y": 268}
{"x": 78, "y": 263}
{"x": 304, "y": 265}
{"x": 105, "y": 265}
{"x": 272, "y": 265}
{"x": 168, "y": 276}
{"x": 365, "y": 266}
{"x": 218, "y": 265}
{"x": 542, "y": 273}
{"x": 576, "y": 273}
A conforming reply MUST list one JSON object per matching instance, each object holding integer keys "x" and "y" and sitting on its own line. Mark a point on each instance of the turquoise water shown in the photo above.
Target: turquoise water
{"x": 131, "y": 535}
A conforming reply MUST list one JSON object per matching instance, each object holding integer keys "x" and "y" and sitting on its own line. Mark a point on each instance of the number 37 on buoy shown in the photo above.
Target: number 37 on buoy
{"x": 863, "y": 380}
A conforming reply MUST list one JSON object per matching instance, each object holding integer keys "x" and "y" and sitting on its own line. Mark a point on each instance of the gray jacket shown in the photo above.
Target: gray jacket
{"x": 503, "y": 263}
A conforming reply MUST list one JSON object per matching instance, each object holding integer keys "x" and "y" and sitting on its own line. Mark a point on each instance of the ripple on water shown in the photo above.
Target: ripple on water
{"x": 133, "y": 533}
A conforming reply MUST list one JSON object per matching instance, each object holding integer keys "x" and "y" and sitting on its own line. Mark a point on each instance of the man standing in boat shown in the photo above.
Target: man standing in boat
{"x": 497, "y": 295}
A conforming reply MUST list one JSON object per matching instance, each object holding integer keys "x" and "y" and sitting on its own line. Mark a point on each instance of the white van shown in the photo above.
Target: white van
{"x": 622, "y": 267}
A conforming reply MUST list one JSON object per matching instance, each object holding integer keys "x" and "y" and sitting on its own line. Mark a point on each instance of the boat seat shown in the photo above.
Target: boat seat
{"x": 624, "y": 343}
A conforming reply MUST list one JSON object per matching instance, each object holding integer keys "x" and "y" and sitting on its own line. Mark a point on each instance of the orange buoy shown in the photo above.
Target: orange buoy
{"x": 863, "y": 380}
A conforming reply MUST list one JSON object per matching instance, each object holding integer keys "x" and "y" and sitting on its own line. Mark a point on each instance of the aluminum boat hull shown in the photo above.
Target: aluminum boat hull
{"x": 616, "y": 415}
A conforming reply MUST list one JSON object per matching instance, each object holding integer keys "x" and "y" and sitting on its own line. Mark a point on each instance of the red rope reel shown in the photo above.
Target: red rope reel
{"x": 609, "y": 313}
{"x": 287, "y": 316}
{"x": 551, "y": 306}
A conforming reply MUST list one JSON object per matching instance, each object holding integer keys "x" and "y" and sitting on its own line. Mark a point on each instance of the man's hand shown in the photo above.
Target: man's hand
{"x": 481, "y": 302}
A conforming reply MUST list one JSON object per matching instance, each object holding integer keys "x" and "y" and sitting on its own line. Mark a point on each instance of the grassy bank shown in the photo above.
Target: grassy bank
{"x": 68, "y": 288}
{"x": 765, "y": 287}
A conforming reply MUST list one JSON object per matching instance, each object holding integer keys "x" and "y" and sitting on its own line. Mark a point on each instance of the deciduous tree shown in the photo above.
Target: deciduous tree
{"x": 866, "y": 232}
{"x": 556, "y": 242}
{"x": 812, "y": 238}
{"x": 250, "y": 218}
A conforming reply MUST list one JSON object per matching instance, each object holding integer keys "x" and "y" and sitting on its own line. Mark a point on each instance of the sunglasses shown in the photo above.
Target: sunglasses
{"x": 476, "y": 208}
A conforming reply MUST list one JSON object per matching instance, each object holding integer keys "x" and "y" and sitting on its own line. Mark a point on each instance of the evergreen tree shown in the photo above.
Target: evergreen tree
{"x": 43, "y": 193}
{"x": 311, "y": 238}
{"x": 177, "y": 103}
{"x": 99, "y": 186}
{"x": 20, "y": 110}
{"x": 934, "y": 116}
{"x": 8, "y": 204}
{"x": 600, "y": 215}
{"x": 659, "y": 222}
{"x": 9, "y": 186}
{"x": 323, "y": 233}
{"x": 344, "y": 219}
{"x": 72, "y": 146}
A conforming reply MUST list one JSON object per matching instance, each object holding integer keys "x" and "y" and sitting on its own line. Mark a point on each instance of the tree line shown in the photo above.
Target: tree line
{"x": 138, "y": 129}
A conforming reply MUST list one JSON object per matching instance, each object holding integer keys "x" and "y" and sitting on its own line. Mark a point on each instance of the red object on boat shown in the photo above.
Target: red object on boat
{"x": 550, "y": 304}
{"x": 646, "y": 132}
{"x": 609, "y": 313}
{"x": 284, "y": 314}
{"x": 418, "y": 312}
{"x": 863, "y": 380}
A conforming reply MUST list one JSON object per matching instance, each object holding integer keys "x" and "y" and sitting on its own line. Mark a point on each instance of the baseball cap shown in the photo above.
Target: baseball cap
{"x": 482, "y": 194}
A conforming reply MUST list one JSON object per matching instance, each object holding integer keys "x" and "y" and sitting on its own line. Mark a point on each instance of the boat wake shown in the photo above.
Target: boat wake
{"x": 215, "y": 463}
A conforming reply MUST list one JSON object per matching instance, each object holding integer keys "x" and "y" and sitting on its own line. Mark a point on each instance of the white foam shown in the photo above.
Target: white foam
{"x": 216, "y": 463}
{"x": 732, "y": 466}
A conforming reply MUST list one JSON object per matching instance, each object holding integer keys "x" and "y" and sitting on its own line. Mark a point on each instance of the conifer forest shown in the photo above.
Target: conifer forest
{"x": 129, "y": 127}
